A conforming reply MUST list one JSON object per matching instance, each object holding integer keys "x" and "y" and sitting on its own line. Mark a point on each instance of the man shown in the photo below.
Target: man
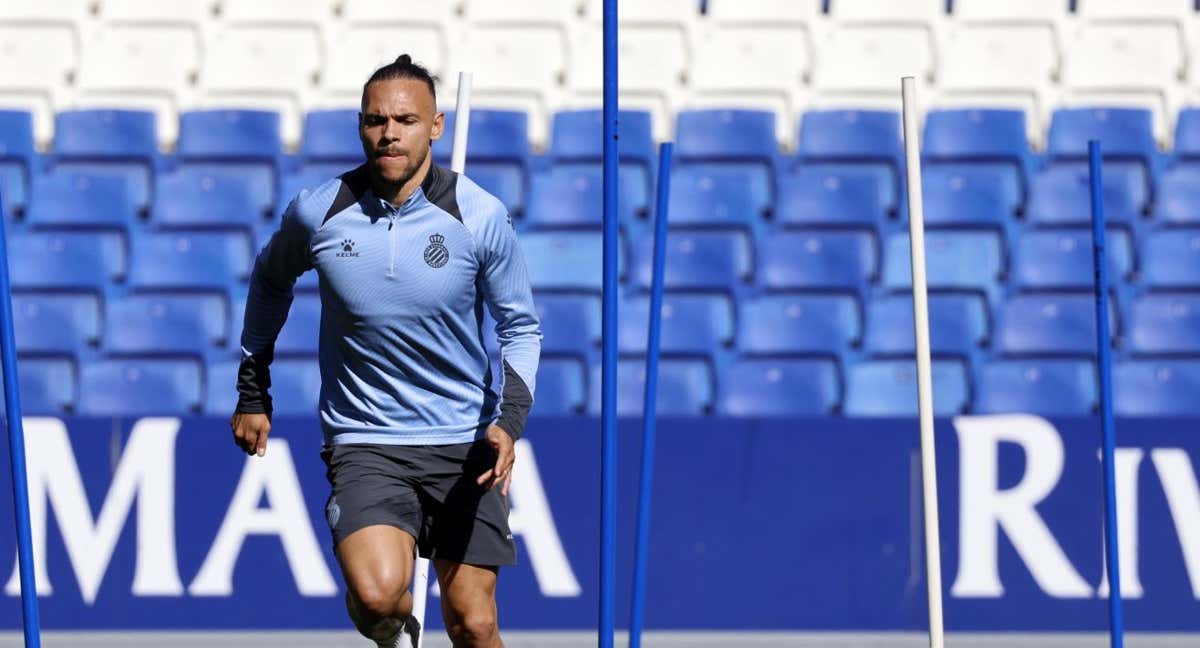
{"x": 418, "y": 444}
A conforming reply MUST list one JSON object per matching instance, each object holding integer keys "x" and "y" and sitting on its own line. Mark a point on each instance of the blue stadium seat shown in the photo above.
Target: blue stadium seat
{"x": 1165, "y": 324}
{"x": 722, "y": 134}
{"x": 977, "y": 195}
{"x": 504, "y": 181}
{"x": 48, "y": 386}
{"x": 685, "y": 387}
{"x": 309, "y": 177}
{"x": 560, "y": 388}
{"x": 495, "y": 135}
{"x": 17, "y": 156}
{"x": 199, "y": 261}
{"x": 975, "y": 134}
{"x": 1063, "y": 259}
{"x": 49, "y": 323}
{"x": 777, "y": 387}
{"x": 74, "y": 199}
{"x": 1178, "y": 198}
{"x": 66, "y": 260}
{"x": 301, "y": 333}
{"x": 1045, "y": 387}
{"x": 954, "y": 261}
{"x": 570, "y": 323}
{"x": 229, "y": 134}
{"x": 105, "y": 134}
{"x": 691, "y": 324}
{"x": 567, "y": 196}
{"x": 331, "y": 135}
{"x": 698, "y": 261}
{"x": 139, "y": 387}
{"x": 573, "y": 136}
{"x": 719, "y": 194}
{"x": 888, "y": 388}
{"x": 799, "y": 324}
{"x": 1171, "y": 259}
{"x": 296, "y": 386}
{"x": 851, "y": 135}
{"x": 818, "y": 260}
{"x": 210, "y": 195}
{"x": 1123, "y": 133}
{"x": 563, "y": 260}
{"x": 1048, "y": 324}
{"x": 1156, "y": 388}
{"x": 220, "y": 392}
{"x": 1187, "y": 133}
{"x": 812, "y": 196}
{"x": 958, "y": 324}
{"x": 1061, "y": 195}
{"x": 166, "y": 324}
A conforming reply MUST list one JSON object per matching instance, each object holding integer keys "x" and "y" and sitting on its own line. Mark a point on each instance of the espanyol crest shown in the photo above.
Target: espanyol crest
{"x": 436, "y": 255}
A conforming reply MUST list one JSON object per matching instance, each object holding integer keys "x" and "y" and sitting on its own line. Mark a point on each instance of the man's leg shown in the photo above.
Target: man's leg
{"x": 377, "y": 563}
{"x": 469, "y": 604}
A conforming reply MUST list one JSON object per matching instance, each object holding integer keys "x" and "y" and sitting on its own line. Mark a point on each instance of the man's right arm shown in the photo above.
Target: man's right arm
{"x": 287, "y": 256}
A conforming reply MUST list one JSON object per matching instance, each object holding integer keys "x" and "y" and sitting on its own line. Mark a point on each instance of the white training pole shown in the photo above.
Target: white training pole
{"x": 458, "y": 163}
{"x": 916, "y": 232}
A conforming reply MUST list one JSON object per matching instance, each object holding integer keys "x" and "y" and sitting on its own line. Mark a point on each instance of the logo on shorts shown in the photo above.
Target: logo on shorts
{"x": 347, "y": 249}
{"x": 436, "y": 255}
{"x": 333, "y": 512}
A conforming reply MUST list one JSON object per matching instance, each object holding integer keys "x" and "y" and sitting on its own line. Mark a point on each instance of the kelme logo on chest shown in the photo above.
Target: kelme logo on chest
{"x": 347, "y": 249}
{"x": 436, "y": 255}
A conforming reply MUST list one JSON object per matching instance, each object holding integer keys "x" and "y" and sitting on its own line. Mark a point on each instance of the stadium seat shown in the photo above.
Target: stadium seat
{"x": 153, "y": 11}
{"x": 769, "y": 387}
{"x": 924, "y": 12}
{"x": 301, "y": 332}
{"x": 720, "y": 195}
{"x": 364, "y": 46}
{"x": 1048, "y": 324}
{"x": 194, "y": 261}
{"x": 864, "y": 62}
{"x": 71, "y": 12}
{"x": 55, "y": 324}
{"x": 974, "y": 195}
{"x": 496, "y": 135}
{"x": 308, "y": 177}
{"x": 210, "y": 195}
{"x": 685, "y": 387}
{"x": 48, "y": 386}
{"x": 1165, "y": 324}
{"x": 550, "y": 12}
{"x": 814, "y": 196}
{"x": 850, "y": 135}
{"x": 725, "y": 134}
{"x": 1011, "y": 10}
{"x": 570, "y": 323}
{"x": 563, "y": 260}
{"x": 691, "y": 324}
{"x": 975, "y": 134}
{"x": 573, "y": 137}
{"x": 1132, "y": 9}
{"x": 764, "y": 12}
{"x": 818, "y": 260}
{"x": 305, "y": 12}
{"x": 1124, "y": 65}
{"x": 105, "y": 134}
{"x": 958, "y": 324}
{"x": 560, "y": 387}
{"x": 436, "y": 12}
{"x": 1122, "y": 132}
{"x": 66, "y": 199}
{"x": 669, "y": 12}
{"x": 1178, "y": 199}
{"x": 296, "y": 386}
{"x": 1004, "y": 65}
{"x": 1044, "y": 387}
{"x": 652, "y": 61}
{"x": 17, "y": 155}
{"x": 568, "y": 196}
{"x": 1061, "y": 194}
{"x": 331, "y": 135}
{"x": 504, "y": 181}
{"x": 1187, "y": 133}
{"x": 38, "y": 60}
{"x": 799, "y": 325}
{"x": 888, "y": 388}
{"x": 1156, "y": 388}
{"x": 139, "y": 387}
{"x": 1063, "y": 259}
{"x": 514, "y": 65}
{"x": 66, "y": 260}
{"x": 229, "y": 134}
{"x": 954, "y": 261}
{"x": 166, "y": 324}
{"x": 1171, "y": 260}
{"x": 697, "y": 261}
{"x": 220, "y": 391}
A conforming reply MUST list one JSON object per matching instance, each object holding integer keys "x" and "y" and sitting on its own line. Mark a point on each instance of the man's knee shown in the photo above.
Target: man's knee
{"x": 473, "y": 628}
{"x": 381, "y": 597}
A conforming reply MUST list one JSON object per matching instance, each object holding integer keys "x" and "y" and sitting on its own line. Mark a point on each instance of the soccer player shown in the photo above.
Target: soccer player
{"x": 418, "y": 441}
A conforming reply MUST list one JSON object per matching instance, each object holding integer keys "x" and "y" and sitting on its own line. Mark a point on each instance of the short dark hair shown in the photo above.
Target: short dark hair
{"x": 404, "y": 68}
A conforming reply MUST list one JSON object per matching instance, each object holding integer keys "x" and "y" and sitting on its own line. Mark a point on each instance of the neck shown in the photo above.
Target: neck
{"x": 396, "y": 194}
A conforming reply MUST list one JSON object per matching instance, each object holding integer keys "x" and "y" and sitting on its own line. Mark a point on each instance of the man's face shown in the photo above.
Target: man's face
{"x": 397, "y": 123}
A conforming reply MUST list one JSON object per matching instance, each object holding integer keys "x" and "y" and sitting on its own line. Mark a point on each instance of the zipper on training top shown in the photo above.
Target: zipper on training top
{"x": 392, "y": 230}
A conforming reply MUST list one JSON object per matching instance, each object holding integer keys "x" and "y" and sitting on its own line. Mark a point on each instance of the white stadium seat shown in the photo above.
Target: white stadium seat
{"x": 764, "y": 11}
{"x": 866, "y": 63}
{"x": 678, "y": 12}
{"x": 64, "y": 11}
{"x": 437, "y": 12}
{"x": 1048, "y": 11}
{"x": 140, "y": 66}
{"x": 560, "y": 12}
{"x": 887, "y": 11}
{"x": 999, "y": 64}
{"x": 181, "y": 11}
{"x": 358, "y": 51}
{"x": 37, "y": 63}
{"x": 1175, "y": 10}
{"x": 306, "y": 12}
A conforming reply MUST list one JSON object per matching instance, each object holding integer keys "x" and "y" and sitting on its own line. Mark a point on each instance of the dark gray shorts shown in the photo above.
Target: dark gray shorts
{"x": 427, "y": 491}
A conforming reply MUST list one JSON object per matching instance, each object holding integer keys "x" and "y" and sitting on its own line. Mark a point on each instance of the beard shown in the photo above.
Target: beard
{"x": 390, "y": 175}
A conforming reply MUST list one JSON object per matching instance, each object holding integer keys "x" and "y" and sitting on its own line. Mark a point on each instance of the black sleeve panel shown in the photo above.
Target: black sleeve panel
{"x": 254, "y": 383}
{"x": 514, "y": 404}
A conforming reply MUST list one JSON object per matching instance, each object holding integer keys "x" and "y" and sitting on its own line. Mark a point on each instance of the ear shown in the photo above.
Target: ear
{"x": 439, "y": 126}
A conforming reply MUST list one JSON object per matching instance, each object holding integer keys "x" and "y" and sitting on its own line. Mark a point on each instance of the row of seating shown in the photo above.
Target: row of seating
{"x": 752, "y": 387}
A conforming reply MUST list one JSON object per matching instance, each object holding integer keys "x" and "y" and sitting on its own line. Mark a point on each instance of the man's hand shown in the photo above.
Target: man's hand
{"x": 501, "y": 473}
{"x": 250, "y": 432}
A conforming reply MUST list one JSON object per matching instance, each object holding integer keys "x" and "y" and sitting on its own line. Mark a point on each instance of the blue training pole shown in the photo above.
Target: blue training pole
{"x": 16, "y": 452}
{"x": 608, "y": 381}
{"x": 1116, "y": 615}
{"x": 645, "y": 488}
